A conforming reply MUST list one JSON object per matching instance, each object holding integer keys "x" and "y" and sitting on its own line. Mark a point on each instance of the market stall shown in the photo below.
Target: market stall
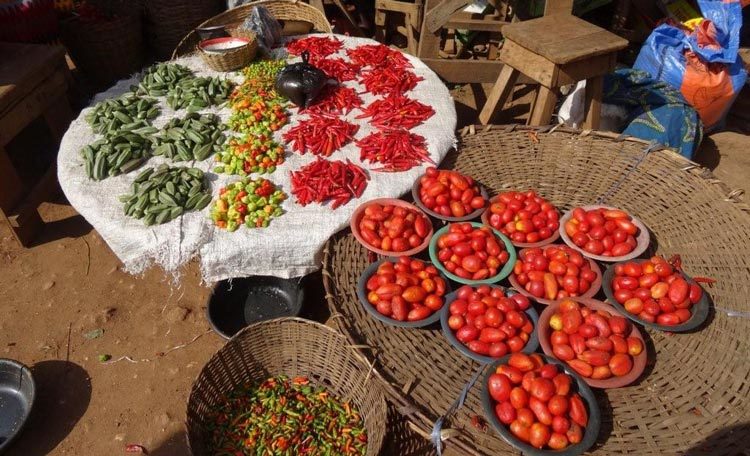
{"x": 291, "y": 244}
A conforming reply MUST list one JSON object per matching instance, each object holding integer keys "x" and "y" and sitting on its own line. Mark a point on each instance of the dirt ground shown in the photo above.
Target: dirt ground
{"x": 54, "y": 294}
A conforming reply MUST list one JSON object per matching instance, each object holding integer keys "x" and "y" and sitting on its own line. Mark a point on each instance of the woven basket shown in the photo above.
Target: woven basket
{"x": 287, "y": 10}
{"x": 168, "y": 21}
{"x": 289, "y": 346}
{"x": 106, "y": 50}
{"x": 232, "y": 60}
{"x": 694, "y": 397}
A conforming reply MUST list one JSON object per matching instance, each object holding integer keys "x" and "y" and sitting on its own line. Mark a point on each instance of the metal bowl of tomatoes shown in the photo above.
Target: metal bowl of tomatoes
{"x": 570, "y": 432}
{"x": 408, "y": 238}
{"x": 497, "y": 215}
{"x": 496, "y": 293}
{"x": 448, "y": 191}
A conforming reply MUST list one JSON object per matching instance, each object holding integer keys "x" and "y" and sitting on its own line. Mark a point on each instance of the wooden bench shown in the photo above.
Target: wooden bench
{"x": 34, "y": 81}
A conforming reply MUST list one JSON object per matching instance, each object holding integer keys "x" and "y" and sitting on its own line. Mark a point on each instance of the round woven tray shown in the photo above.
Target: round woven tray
{"x": 694, "y": 397}
{"x": 293, "y": 347}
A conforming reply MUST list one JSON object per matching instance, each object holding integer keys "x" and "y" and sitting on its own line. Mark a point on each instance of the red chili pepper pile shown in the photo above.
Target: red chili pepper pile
{"x": 324, "y": 180}
{"x": 336, "y": 100}
{"x": 386, "y": 80}
{"x": 336, "y": 68}
{"x": 397, "y": 150}
{"x": 376, "y": 55}
{"x": 321, "y": 134}
{"x": 397, "y": 111}
{"x": 285, "y": 417}
{"x": 318, "y": 46}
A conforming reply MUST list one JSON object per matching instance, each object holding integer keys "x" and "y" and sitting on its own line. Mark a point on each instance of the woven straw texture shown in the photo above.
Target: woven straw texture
{"x": 106, "y": 50}
{"x": 694, "y": 397}
{"x": 285, "y": 10}
{"x": 168, "y": 21}
{"x": 234, "y": 59}
{"x": 293, "y": 347}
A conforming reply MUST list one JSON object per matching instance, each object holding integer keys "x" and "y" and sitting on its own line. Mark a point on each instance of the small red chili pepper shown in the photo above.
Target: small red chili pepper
{"x": 336, "y": 68}
{"x": 397, "y": 111}
{"x": 324, "y": 180}
{"x": 387, "y": 80}
{"x": 335, "y": 100}
{"x": 397, "y": 150}
{"x": 321, "y": 134}
{"x": 317, "y": 46}
{"x": 376, "y": 55}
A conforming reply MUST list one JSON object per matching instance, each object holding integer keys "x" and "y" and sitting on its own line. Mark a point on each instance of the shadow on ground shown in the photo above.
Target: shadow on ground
{"x": 63, "y": 395}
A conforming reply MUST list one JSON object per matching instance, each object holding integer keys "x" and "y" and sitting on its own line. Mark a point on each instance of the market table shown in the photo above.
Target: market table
{"x": 693, "y": 396}
{"x": 291, "y": 246}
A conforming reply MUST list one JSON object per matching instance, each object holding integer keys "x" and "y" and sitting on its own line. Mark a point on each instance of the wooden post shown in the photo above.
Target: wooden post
{"x": 558, "y": 7}
{"x": 543, "y": 108}
{"x": 593, "y": 106}
{"x": 500, "y": 92}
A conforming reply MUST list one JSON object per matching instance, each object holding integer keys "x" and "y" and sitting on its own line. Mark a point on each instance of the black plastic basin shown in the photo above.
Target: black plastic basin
{"x": 232, "y": 306}
{"x": 17, "y": 392}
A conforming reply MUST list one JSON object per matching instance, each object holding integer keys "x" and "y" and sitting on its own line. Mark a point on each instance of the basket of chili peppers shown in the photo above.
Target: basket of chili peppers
{"x": 286, "y": 386}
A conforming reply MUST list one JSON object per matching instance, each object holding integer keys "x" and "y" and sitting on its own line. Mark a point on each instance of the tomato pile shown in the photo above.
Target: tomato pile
{"x": 253, "y": 202}
{"x": 407, "y": 290}
{"x": 654, "y": 291}
{"x": 537, "y": 402}
{"x": 321, "y": 134}
{"x": 393, "y": 228}
{"x": 449, "y": 193}
{"x": 488, "y": 322}
{"x": 396, "y": 150}
{"x": 524, "y": 217}
{"x": 471, "y": 253}
{"x": 605, "y": 232}
{"x": 554, "y": 272}
{"x": 594, "y": 343}
{"x": 250, "y": 154}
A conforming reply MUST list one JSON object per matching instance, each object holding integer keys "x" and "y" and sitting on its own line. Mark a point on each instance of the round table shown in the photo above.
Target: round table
{"x": 693, "y": 397}
{"x": 292, "y": 244}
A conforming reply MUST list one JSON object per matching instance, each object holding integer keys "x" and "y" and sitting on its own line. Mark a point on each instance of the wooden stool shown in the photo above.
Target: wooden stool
{"x": 412, "y": 21}
{"x": 34, "y": 81}
{"x": 555, "y": 50}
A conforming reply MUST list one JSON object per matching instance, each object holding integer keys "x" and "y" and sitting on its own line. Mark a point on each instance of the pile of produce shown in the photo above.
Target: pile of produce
{"x": 195, "y": 94}
{"x": 471, "y": 253}
{"x": 393, "y": 228}
{"x": 384, "y": 80}
{"x": 128, "y": 112}
{"x": 248, "y": 154}
{"x": 377, "y": 55}
{"x": 406, "y": 290}
{"x": 655, "y": 291}
{"x": 596, "y": 344}
{"x": 161, "y": 78}
{"x": 286, "y": 417}
{"x": 317, "y": 46}
{"x": 194, "y": 137}
{"x": 335, "y": 100}
{"x": 337, "y": 68}
{"x": 321, "y": 134}
{"x": 396, "y": 150}
{"x": 524, "y": 217}
{"x": 252, "y": 202}
{"x": 554, "y": 272}
{"x": 488, "y": 322}
{"x": 605, "y": 232}
{"x": 118, "y": 153}
{"x": 449, "y": 193}
{"x": 324, "y": 180}
{"x": 538, "y": 402}
{"x": 159, "y": 195}
{"x": 256, "y": 107}
{"x": 397, "y": 111}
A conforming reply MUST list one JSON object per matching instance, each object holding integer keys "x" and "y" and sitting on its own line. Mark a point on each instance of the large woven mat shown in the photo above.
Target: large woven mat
{"x": 694, "y": 397}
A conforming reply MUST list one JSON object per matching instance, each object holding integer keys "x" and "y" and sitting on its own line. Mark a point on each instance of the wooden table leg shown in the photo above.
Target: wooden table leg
{"x": 593, "y": 106}
{"x": 500, "y": 92}
{"x": 543, "y": 108}
{"x": 349, "y": 17}
{"x": 11, "y": 187}
{"x": 380, "y": 17}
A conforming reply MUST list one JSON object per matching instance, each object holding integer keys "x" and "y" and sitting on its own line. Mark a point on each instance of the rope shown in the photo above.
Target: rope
{"x": 437, "y": 428}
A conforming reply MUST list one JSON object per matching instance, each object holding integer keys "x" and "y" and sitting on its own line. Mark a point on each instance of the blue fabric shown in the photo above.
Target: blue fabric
{"x": 657, "y": 111}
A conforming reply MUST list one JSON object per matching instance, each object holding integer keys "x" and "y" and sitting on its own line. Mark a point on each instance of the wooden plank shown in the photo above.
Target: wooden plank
{"x": 11, "y": 186}
{"x": 23, "y": 67}
{"x": 400, "y": 7}
{"x": 478, "y": 25}
{"x": 585, "y": 69}
{"x": 593, "y": 106}
{"x": 558, "y": 7}
{"x": 32, "y": 106}
{"x": 543, "y": 108}
{"x": 429, "y": 42}
{"x": 436, "y": 17}
{"x": 459, "y": 71}
{"x": 500, "y": 92}
{"x": 529, "y": 63}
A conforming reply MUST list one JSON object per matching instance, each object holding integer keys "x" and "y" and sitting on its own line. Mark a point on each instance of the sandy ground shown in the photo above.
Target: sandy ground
{"x": 70, "y": 283}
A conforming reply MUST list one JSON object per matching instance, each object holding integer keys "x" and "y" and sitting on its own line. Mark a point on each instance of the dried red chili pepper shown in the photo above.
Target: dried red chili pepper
{"x": 397, "y": 150}
{"x": 321, "y": 134}
{"x": 387, "y": 80}
{"x": 318, "y": 46}
{"x": 376, "y": 55}
{"x": 336, "y": 68}
{"x": 397, "y": 111}
{"x": 335, "y": 100}
{"x": 324, "y": 180}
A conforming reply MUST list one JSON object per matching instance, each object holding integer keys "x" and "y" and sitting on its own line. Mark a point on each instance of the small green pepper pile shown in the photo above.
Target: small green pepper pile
{"x": 253, "y": 202}
{"x": 250, "y": 154}
{"x": 256, "y": 107}
{"x": 285, "y": 417}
